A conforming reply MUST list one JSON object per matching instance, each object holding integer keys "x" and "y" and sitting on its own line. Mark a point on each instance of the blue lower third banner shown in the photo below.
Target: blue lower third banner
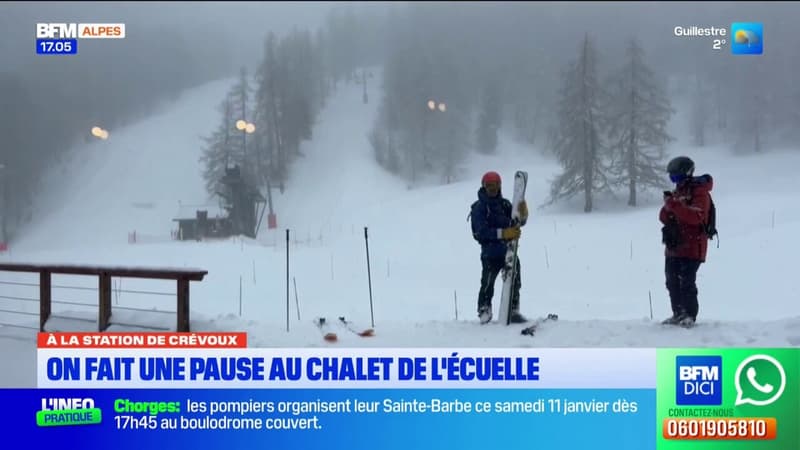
{"x": 354, "y": 419}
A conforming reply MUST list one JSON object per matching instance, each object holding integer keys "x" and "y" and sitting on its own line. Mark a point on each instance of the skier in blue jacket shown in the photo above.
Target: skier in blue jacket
{"x": 492, "y": 227}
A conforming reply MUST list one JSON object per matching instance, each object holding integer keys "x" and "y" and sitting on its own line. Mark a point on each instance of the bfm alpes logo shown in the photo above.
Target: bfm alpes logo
{"x": 759, "y": 380}
{"x": 80, "y": 30}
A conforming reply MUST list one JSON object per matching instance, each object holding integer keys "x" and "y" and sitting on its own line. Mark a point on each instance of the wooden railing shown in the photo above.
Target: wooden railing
{"x": 105, "y": 274}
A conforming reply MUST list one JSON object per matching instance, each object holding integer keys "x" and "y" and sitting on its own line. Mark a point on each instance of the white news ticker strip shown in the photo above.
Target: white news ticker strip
{"x": 567, "y": 368}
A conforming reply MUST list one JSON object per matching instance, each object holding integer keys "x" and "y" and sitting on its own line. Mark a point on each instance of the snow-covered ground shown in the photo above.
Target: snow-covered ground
{"x": 597, "y": 271}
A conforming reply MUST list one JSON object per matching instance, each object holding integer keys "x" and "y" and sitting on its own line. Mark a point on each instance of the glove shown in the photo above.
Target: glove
{"x": 510, "y": 233}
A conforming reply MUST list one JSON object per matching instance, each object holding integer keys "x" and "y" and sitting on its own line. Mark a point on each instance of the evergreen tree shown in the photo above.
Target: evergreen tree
{"x": 751, "y": 114}
{"x": 638, "y": 113}
{"x": 489, "y": 119}
{"x": 700, "y": 113}
{"x": 228, "y": 145}
{"x": 576, "y": 139}
{"x": 298, "y": 89}
{"x": 216, "y": 155}
{"x": 242, "y": 149}
{"x": 269, "y": 98}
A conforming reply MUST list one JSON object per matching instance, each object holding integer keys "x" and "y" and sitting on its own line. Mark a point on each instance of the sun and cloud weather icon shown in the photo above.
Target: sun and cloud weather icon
{"x": 748, "y": 38}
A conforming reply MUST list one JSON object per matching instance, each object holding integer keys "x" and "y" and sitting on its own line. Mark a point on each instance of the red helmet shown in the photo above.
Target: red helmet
{"x": 490, "y": 177}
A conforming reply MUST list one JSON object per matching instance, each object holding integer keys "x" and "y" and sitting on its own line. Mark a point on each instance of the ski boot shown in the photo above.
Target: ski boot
{"x": 674, "y": 320}
{"x": 681, "y": 319}
{"x": 485, "y": 314}
{"x": 516, "y": 317}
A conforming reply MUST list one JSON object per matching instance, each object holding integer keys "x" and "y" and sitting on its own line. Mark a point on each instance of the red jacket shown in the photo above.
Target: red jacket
{"x": 689, "y": 206}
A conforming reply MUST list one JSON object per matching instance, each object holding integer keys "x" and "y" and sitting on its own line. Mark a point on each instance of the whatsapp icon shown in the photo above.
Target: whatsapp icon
{"x": 760, "y": 381}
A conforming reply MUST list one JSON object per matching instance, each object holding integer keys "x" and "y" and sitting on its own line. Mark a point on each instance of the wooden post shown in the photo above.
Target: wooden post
{"x": 44, "y": 298}
{"x": 183, "y": 305}
{"x": 105, "y": 302}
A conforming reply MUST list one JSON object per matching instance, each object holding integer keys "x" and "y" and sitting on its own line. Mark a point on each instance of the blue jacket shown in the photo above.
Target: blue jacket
{"x": 489, "y": 216}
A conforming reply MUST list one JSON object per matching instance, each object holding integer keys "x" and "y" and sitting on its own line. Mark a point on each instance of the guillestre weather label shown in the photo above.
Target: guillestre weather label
{"x": 728, "y": 399}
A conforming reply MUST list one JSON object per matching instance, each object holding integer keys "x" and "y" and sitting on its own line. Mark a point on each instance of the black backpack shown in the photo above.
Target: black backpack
{"x": 711, "y": 227}
{"x": 469, "y": 216}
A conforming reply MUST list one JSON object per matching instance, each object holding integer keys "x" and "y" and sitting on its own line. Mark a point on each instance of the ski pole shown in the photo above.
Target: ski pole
{"x": 287, "y": 280}
{"x": 369, "y": 279}
{"x": 296, "y": 301}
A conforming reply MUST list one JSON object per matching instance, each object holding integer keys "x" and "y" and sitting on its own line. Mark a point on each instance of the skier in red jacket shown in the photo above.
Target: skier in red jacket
{"x": 684, "y": 215}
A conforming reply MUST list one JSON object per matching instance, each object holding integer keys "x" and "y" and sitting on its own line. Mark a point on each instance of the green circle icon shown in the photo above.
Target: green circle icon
{"x": 760, "y": 381}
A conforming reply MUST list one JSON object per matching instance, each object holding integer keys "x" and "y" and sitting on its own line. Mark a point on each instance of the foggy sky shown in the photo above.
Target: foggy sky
{"x": 524, "y": 44}
{"x": 244, "y": 24}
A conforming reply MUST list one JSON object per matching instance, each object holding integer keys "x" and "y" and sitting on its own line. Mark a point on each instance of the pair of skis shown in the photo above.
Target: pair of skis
{"x": 510, "y": 274}
{"x": 330, "y": 335}
{"x": 530, "y": 330}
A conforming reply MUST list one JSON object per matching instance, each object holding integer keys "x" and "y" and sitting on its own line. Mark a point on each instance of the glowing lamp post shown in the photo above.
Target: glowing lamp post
{"x": 246, "y": 128}
{"x": 99, "y": 133}
{"x": 433, "y": 106}
{"x": 250, "y": 128}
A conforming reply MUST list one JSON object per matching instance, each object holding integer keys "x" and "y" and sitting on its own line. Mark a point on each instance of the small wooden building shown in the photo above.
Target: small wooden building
{"x": 199, "y": 221}
{"x": 239, "y": 215}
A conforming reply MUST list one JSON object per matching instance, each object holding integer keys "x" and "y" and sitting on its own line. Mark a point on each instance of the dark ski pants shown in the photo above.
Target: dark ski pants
{"x": 492, "y": 268}
{"x": 682, "y": 285}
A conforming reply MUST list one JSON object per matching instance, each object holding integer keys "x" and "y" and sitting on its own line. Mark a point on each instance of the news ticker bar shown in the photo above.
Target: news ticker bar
{"x": 672, "y": 398}
{"x": 336, "y": 368}
{"x": 333, "y": 418}
{"x": 618, "y": 419}
{"x": 150, "y": 340}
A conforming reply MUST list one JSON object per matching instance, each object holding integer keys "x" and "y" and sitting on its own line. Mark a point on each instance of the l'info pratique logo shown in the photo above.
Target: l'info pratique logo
{"x": 68, "y": 411}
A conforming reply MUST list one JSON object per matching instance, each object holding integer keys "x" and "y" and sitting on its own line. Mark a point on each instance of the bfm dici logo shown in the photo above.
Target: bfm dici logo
{"x": 698, "y": 380}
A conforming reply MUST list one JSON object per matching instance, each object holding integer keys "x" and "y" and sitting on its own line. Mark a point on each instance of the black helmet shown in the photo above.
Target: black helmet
{"x": 681, "y": 166}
